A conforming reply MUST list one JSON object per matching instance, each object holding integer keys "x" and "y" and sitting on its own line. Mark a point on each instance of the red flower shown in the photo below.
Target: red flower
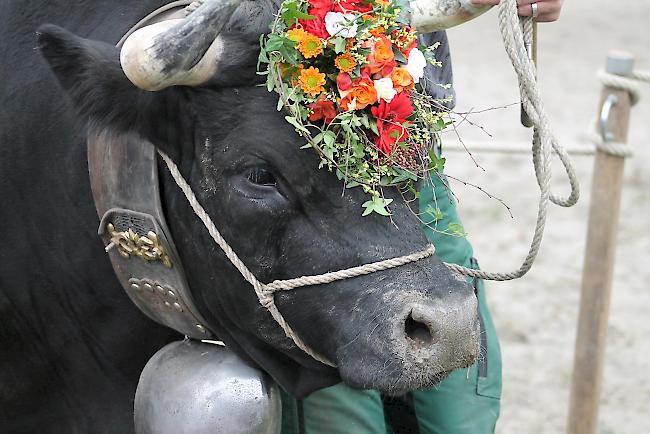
{"x": 322, "y": 109}
{"x": 344, "y": 81}
{"x": 316, "y": 26}
{"x": 352, "y": 5}
{"x": 397, "y": 110}
{"x": 390, "y": 117}
{"x": 389, "y": 135}
{"x": 320, "y": 8}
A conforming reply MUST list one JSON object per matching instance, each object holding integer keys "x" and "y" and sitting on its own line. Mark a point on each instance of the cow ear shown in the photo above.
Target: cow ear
{"x": 90, "y": 73}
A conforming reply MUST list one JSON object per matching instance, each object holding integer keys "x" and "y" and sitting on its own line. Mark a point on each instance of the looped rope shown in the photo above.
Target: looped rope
{"x": 265, "y": 292}
{"x": 629, "y": 84}
{"x": 517, "y": 33}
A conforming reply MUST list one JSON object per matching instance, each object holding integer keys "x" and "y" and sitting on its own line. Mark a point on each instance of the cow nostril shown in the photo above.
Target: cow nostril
{"x": 418, "y": 332}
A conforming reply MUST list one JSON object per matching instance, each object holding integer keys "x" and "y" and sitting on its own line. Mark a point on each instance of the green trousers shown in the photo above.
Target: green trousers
{"x": 466, "y": 402}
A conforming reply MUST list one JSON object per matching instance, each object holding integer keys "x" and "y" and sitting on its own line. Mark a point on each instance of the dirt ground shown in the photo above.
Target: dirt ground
{"x": 536, "y": 316}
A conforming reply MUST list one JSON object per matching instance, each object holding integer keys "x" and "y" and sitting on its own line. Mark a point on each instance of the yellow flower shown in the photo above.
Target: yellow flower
{"x": 310, "y": 46}
{"x": 312, "y": 81}
{"x": 345, "y": 63}
{"x": 297, "y": 34}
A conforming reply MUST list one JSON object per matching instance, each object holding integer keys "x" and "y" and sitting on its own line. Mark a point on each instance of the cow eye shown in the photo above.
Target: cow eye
{"x": 261, "y": 176}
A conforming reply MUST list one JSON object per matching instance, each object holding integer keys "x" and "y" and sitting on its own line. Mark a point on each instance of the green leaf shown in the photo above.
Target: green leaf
{"x": 291, "y": 13}
{"x": 364, "y": 120}
{"x": 378, "y": 205}
{"x": 437, "y": 163}
{"x": 318, "y": 138}
{"x": 399, "y": 56}
{"x": 270, "y": 84}
{"x": 329, "y": 138}
{"x": 435, "y": 213}
{"x": 373, "y": 127}
{"x": 296, "y": 124}
{"x": 404, "y": 175}
{"x": 339, "y": 45}
{"x": 457, "y": 229}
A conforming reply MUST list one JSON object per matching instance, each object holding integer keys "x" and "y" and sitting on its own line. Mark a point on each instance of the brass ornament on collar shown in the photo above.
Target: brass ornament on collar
{"x": 146, "y": 247}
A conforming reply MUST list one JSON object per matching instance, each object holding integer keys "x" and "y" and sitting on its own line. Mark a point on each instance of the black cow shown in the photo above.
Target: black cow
{"x": 73, "y": 345}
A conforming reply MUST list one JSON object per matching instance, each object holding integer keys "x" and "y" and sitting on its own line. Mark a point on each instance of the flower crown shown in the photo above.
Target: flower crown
{"x": 350, "y": 71}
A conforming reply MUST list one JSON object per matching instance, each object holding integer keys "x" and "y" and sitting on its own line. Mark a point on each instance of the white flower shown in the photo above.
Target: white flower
{"x": 385, "y": 90}
{"x": 416, "y": 65}
{"x": 339, "y": 24}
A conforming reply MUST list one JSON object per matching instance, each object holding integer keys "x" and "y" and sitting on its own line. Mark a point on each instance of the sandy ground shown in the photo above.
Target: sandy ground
{"x": 536, "y": 316}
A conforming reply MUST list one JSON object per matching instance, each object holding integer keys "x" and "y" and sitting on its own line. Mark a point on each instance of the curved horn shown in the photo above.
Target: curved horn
{"x": 179, "y": 51}
{"x": 432, "y": 15}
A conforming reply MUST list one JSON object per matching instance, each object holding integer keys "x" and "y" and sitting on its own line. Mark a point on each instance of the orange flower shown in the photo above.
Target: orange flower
{"x": 297, "y": 34}
{"x": 402, "y": 79}
{"x": 378, "y": 31}
{"x": 381, "y": 58}
{"x": 363, "y": 91}
{"x": 345, "y": 63}
{"x": 310, "y": 46}
{"x": 311, "y": 81}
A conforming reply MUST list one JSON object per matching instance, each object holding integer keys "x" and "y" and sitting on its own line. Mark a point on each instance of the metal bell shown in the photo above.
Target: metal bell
{"x": 194, "y": 388}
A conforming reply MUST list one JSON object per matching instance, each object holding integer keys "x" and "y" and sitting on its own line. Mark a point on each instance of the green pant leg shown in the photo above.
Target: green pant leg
{"x": 467, "y": 402}
{"x": 342, "y": 410}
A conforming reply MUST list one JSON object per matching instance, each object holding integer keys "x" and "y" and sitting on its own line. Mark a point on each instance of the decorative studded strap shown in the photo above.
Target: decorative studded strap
{"x": 124, "y": 179}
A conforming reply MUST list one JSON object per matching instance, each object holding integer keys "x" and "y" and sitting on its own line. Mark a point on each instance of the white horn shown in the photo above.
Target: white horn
{"x": 179, "y": 51}
{"x": 432, "y": 15}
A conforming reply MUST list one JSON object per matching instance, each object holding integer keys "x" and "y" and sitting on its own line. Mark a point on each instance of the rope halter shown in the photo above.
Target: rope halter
{"x": 265, "y": 292}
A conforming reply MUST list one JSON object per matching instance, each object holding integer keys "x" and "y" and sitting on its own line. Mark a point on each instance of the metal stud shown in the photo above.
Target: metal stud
{"x": 168, "y": 305}
{"x": 160, "y": 288}
{"x": 178, "y": 307}
{"x": 171, "y": 294}
{"x": 135, "y": 286}
{"x": 148, "y": 286}
{"x": 201, "y": 328}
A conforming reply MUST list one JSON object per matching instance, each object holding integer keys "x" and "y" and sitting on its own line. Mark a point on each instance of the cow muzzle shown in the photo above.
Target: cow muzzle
{"x": 416, "y": 345}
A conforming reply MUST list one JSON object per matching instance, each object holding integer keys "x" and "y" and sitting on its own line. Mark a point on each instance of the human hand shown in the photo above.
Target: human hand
{"x": 549, "y": 10}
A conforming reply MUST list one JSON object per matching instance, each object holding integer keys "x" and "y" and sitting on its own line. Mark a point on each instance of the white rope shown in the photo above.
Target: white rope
{"x": 516, "y": 32}
{"x": 629, "y": 84}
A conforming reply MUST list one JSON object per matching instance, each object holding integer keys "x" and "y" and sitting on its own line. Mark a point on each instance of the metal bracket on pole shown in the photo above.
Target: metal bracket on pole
{"x": 603, "y": 122}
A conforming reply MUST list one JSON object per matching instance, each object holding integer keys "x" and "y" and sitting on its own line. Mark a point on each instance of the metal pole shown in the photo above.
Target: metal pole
{"x": 599, "y": 257}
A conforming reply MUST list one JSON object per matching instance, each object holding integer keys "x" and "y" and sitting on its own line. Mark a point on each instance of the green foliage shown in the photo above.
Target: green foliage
{"x": 291, "y": 14}
{"x": 346, "y": 145}
{"x": 376, "y": 204}
{"x": 456, "y": 229}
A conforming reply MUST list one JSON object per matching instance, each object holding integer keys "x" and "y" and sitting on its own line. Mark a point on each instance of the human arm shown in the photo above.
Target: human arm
{"x": 549, "y": 10}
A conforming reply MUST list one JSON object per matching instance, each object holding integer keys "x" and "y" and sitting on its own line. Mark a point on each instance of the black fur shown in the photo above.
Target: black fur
{"x": 72, "y": 343}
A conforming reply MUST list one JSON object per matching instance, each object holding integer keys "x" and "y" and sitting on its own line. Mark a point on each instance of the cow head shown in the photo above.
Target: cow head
{"x": 395, "y": 330}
